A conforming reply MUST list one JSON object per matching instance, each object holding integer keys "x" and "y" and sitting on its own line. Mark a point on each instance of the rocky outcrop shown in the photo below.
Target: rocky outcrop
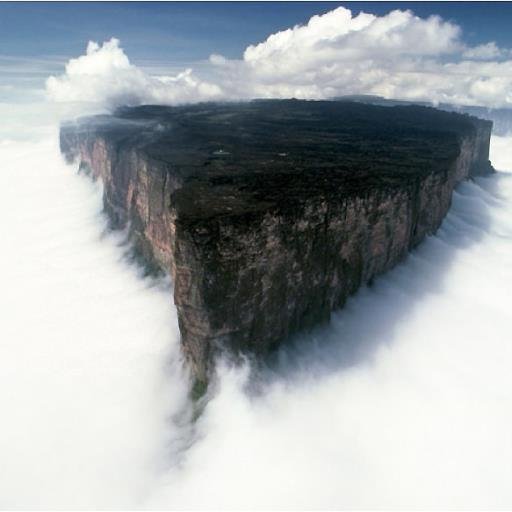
{"x": 268, "y": 215}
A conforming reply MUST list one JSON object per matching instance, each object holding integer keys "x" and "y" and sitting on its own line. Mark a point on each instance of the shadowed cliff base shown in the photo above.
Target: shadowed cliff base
{"x": 371, "y": 317}
{"x": 269, "y": 214}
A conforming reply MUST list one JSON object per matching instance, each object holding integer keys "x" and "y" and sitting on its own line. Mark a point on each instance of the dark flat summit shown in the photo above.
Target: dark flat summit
{"x": 243, "y": 156}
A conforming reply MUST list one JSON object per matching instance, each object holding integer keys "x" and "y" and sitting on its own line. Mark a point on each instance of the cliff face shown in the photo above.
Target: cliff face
{"x": 265, "y": 234}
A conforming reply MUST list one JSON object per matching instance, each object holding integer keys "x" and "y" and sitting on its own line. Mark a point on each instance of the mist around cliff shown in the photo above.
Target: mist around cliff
{"x": 90, "y": 373}
{"x": 403, "y": 401}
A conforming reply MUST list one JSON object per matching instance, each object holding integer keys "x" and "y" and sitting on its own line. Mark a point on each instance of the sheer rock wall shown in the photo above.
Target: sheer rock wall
{"x": 257, "y": 257}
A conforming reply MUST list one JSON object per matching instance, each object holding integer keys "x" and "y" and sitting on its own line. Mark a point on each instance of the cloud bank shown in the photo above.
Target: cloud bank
{"x": 398, "y": 55}
{"x": 105, "y": 75}
{"x": 90, "y": 351}
{"x": 403, "y": 402}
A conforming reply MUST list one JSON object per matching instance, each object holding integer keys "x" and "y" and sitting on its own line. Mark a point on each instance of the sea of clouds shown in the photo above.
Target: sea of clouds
{"x": 403, "y": 401}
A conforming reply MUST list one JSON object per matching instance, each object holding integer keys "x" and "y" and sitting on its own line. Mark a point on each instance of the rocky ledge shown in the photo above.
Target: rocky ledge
{"x": 269, "y": 214}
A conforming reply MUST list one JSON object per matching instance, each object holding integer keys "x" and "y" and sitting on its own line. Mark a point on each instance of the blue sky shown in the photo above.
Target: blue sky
{"x": 174, "y": 33}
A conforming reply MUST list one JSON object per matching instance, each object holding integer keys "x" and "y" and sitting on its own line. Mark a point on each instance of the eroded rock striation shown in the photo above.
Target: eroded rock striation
{"x": 269, "y": 214}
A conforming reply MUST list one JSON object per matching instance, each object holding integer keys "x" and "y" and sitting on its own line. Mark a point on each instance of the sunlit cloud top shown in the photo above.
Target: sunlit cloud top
{"x": 397, "y": 55}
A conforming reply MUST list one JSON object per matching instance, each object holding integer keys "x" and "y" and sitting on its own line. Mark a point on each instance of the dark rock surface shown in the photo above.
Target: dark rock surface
{"x": 269, "y": 214}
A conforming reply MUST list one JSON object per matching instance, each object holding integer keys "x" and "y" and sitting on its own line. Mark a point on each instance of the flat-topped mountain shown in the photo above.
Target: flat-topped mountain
{"x": 268, "y": 214}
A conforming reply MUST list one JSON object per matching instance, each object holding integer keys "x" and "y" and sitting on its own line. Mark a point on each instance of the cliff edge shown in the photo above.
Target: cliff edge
{"x": 269, "y": 214}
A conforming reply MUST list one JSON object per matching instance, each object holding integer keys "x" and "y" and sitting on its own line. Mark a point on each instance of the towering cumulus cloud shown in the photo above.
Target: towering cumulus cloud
{"x": 398, "y": 55}
{"x": 104, "y": 74}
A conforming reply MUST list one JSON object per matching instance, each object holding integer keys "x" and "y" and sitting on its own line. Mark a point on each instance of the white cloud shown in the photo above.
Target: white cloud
{"x": 337, "y": 35}
{"x": 398, "y": 55}
{"x": 484, "y": 52}
{"x": 105, "y": 75}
